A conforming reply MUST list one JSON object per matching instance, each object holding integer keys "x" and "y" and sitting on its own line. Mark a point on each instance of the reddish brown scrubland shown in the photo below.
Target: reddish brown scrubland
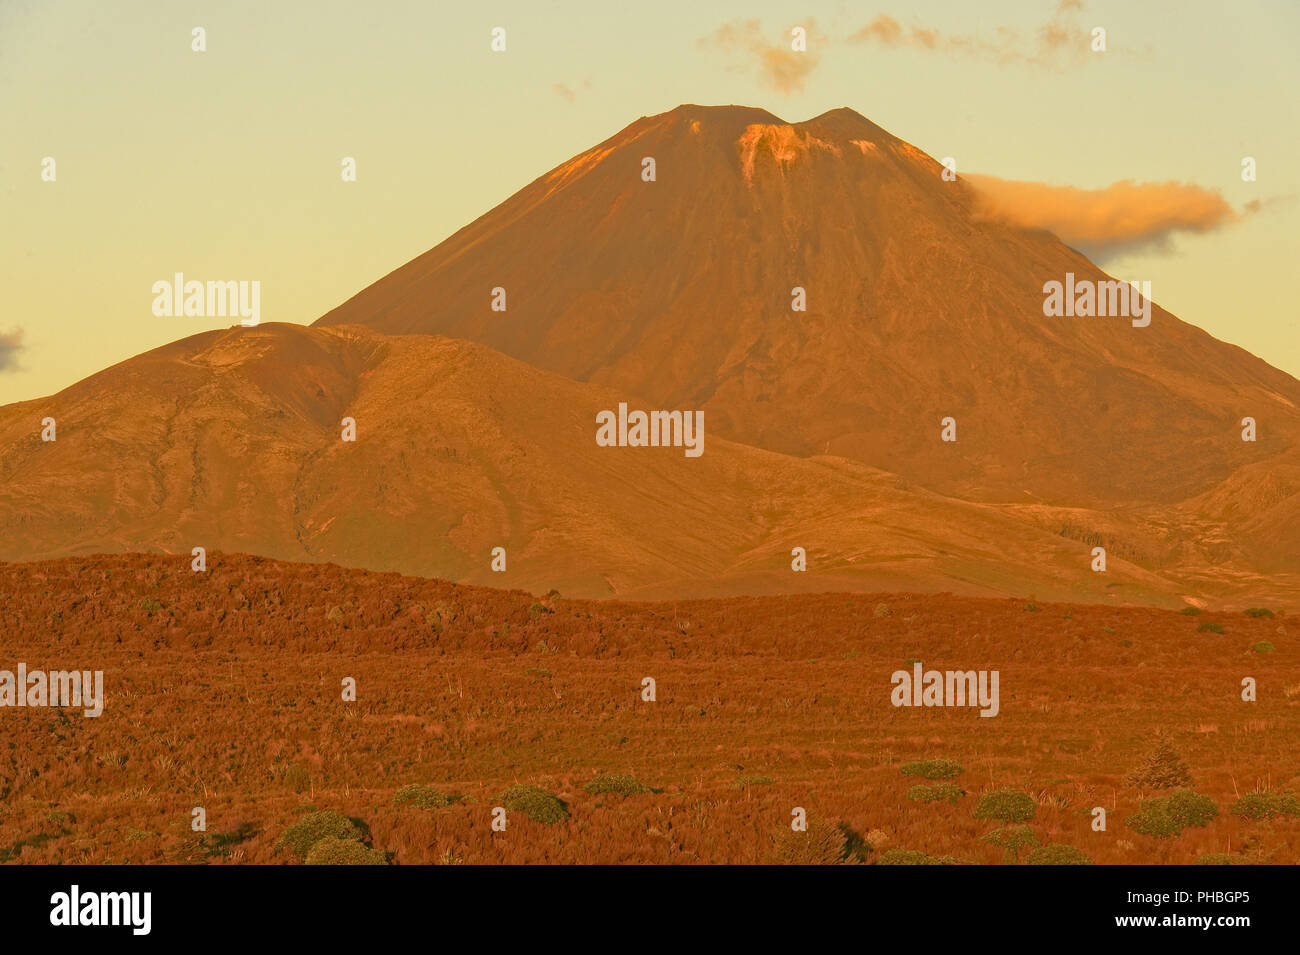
{"x": 223, "y": 691}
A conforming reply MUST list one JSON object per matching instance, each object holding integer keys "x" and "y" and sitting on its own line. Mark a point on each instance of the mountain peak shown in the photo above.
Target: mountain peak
{"x": 846, "y": 124}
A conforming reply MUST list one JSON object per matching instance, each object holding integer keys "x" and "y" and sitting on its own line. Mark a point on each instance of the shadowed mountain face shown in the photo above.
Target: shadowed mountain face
{"x": 917, "y": 309}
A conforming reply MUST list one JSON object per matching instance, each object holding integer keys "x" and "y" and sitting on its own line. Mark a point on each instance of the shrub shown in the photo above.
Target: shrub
{"x": 1006, "y": 805}
{"x": 1264, "y": 804}
{"x": 335, "y": 851}
{"x": 1210, "y": 628}
{"x": 1167, "y": 816}
{"x": 619, "y": 783}
{"x": 933, "y": 769}
{"x": 943, "y": 792}
{"x": 1219, "y": 858}
{"x": 315, "y": 826}
{"x": 297, "y": 777}
{"x": 1190, "y": 611}
{"x": 746, "y": 781}
{"x": 1057, "y": 854}
{"x": 1258, "y": 612}
{"x": 1031, "y": 607}
{"x": 882, "y": 610}
{"x": 1264, "y": 647}
{"x": 535, "y": 803}
{"x": 423, "y": 797}
{"x": 856, "y": 848}
{"x": 821, "y": 844}
{"x": 1011, "y": 839}
{"x": 1162, "y": 768}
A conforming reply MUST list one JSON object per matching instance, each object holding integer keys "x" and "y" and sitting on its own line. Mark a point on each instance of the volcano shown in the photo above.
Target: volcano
{"x": 918, "y": 308}
{"x": 477, "y": 373}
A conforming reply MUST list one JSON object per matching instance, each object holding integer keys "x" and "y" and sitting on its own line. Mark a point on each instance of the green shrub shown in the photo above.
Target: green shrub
{"x": 1258, "y": 612}
{"x": 1265, "y": 804}
{"x": 1031, "y": 607}
{"x": 1162, "y": 768}
{"x": 933, "y": 769}
{"x": 943, "y": 792}
{"x": 1057, "y": 854}
{"x": 1264, "y": 647}
{"x": 334, "y": 851}
{"x": 422, "y": 797}
{"x": 619, "y": 783}
{"x": 1210, "y": 628}
{"x": 1167, "y": 816}
{"x": 535, "y": 803}
{"x": 1190, "y": 611}
{"x": 1006, "y": 805}
{"x": 1012, "y": 839}
{"x": 745, "y": 782}
{"x": 315, "y": 826}
{"x": 1190, "y": 809}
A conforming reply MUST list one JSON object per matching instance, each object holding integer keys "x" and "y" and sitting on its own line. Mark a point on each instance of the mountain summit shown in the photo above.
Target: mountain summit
{"x": 680, "y": 290}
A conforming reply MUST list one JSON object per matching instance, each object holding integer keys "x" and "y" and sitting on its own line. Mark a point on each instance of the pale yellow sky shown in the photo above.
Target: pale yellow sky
{"x": 225, "y": 164}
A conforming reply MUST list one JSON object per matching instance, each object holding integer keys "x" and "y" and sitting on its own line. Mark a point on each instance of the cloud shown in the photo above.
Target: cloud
{"x": 11, "y": 344}
{"x": 1125, "y": 216}
{"x": 778, "y": 65}
{"x": 568, "y": 93}
{"x": 1062, "y": 39}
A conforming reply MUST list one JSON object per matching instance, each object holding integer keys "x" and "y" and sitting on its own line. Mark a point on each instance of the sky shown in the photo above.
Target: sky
{"x": 225, "y": 164}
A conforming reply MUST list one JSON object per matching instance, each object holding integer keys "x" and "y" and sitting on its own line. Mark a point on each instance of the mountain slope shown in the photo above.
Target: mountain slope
{"x": 917, "y": 309}
{"x": 231, "y": 440}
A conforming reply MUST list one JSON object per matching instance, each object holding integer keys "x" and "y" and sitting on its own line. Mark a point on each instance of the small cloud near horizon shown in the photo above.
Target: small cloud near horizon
{"x": 1125, "y": 216}
{"x": 780, "y": 67}
{"x": 567, "y": 93}
{"x": 1062, "y": 39}
{"x": 11, "y": 345}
